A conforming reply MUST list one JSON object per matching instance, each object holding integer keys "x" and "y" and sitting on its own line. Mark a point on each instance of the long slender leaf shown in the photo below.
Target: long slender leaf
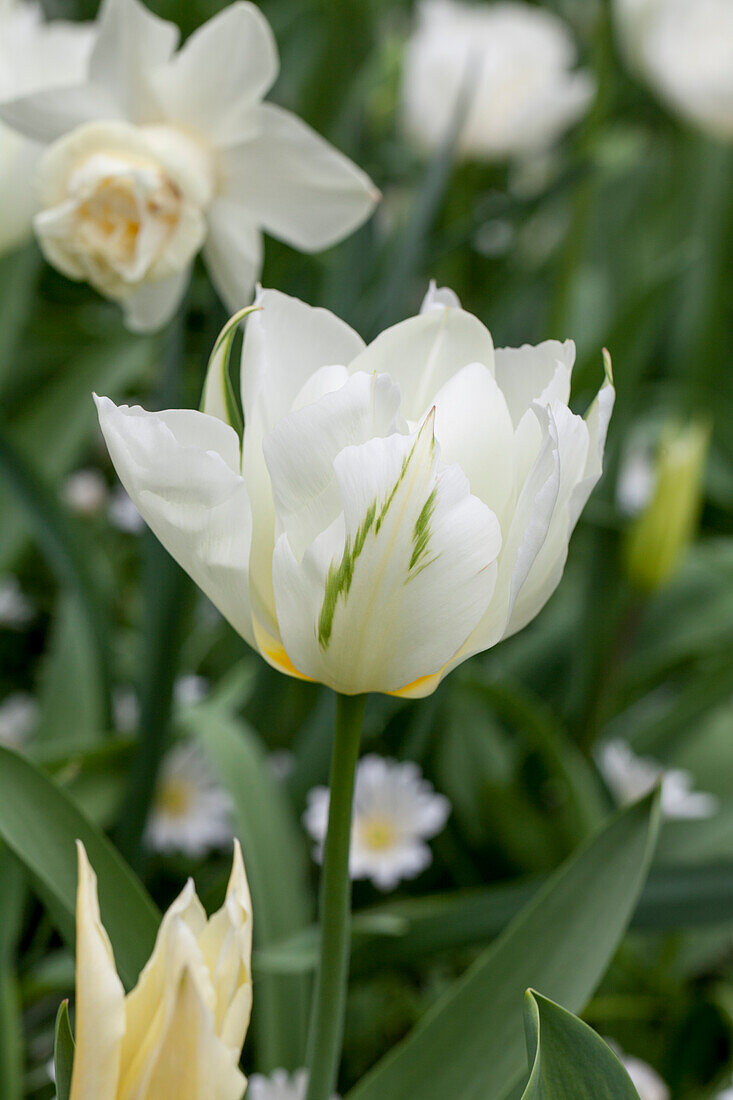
{"x": 569, "y": 1061}
{"x": 40, "y": 823}
{"x": 12, "y": 898}
{"x": 470, "y": 1043}
{"x": 63, "y": 1053}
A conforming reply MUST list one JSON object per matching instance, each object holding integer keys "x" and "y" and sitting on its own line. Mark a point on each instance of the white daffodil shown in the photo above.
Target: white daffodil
{"x": 280, "y": 1085}
{"x": 391, "y": 509}
{"x": 630, "y": 777}
{"x": 16, "y": 610}
{"x": 19, "y": 713}
{"x": 34, "y": 54}
{"x": 395, "y": 811}
{"x": 645, "y": 1080}
{"x": 514, "y": 61}
{"x": 684, "y": 51}
{"x": 163, "y": 153}
{"x": 191, "y": 812}
{"x": 181, "y": 1030}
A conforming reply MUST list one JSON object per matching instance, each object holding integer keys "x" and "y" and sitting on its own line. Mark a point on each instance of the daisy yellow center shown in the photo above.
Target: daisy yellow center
{"x": 378, "y": 833}
{"x": 174, "y": 798}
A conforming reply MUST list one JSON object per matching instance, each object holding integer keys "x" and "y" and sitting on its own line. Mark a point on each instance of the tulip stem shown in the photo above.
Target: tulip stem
{"x": 329, "y": 999}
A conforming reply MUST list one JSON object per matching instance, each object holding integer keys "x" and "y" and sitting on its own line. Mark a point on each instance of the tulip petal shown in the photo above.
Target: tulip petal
{"x": 391, "y": 590}
{"x": 233, "y": 252}
{"x": 226, "y": 945}
{"x": 131, "y": 43}
{"x": 529, "y": 374}
{"x": 181, "y": 469}
{"x": 474, "y": 429}
{"x": 222, "y": 70}
{"x": 295, "y": 184}
{"x": 424, "y": 352}
{"x": 301, "y": 448}
{"x": 100, "y": 998}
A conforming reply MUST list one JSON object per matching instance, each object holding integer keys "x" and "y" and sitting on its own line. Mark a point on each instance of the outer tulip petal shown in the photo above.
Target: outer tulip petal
{"x": 301, "y": 448}
{"x": 222, "y": 70}
{"x": 285, "y": 343}
{"x": 131, "y": 43}
{"x": 389, "y": 593}
{"x": 295, "y": 184}
{"x": 100, "y": 1011}
{"x": 233, "y": 252}
{"x": 529, "y": 374}
{"x": 181, "y": 469}
{"x": 424, "y": 352}
{"x": 226, "y": 945}
{"x": 439, "y": 297}
{"x": 474, "y": 428}
{"x": 192, "y": 1061}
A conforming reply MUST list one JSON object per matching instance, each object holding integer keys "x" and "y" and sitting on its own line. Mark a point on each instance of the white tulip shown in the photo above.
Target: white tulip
{"x": 685, "y": 52}
{"x": 391, "y": 509}
{"x": 513, "y": 60}
{"x": 34, "y": 55}
{"x": 162, "y": 153}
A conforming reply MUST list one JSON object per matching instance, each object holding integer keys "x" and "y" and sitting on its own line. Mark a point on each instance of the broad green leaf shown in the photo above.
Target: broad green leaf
{"x": 40, "y": 823}
{"x": 470, "y": 1043}
{"x": 63, "y": 1052}
{"x": 12, "y": 903}
{"x": 569, "y": 1061}
{"x": 273, "y": 855}
{"x": 70, "y": 695}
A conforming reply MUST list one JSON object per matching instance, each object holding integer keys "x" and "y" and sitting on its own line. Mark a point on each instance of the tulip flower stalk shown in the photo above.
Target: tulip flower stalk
{"x": 329, "y": 998}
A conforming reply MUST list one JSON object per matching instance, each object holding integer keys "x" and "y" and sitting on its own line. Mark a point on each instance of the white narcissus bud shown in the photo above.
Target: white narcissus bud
{"x": 684, "y": 50}
{"x": 164, "y": 152}
{"x": 391, "y": 510}
{"x": 515, "y": 63}
{"x": 180, "y": 1031}
{"x": 34, "y": 54}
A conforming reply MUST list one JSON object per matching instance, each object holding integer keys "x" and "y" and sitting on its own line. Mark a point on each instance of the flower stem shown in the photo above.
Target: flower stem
{"x": 329, "y": 999}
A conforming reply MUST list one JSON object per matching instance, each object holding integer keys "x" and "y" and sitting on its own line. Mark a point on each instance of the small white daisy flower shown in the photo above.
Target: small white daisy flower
{"x": 85, "y": 492}
{"x": 280, "y": 1085}
{"x": 630, "y": 777}
{"x": 191, "y": 812}
{"x": 645, "y": 1080}
{"x": 190, "y": 689}
{"x": 16, "y": 610}
{"x": 123, "y": 514}
{"x": 395, "y": 810}
{"x": 19, "y": 713}
{"x": 636, "y": 480}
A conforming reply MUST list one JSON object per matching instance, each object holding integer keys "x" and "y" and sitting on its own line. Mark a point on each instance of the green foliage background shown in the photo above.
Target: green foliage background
{"x": 627, "y": 244}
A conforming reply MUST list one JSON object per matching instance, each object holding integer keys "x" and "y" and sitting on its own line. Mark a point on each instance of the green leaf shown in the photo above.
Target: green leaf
{"x": 273, "y": 856}
{"x": 470, "y": 1042}
{"x": 40, "y": 823}
{"x": 63, "y": 1052}
{"x": 218, "y": 397}
{"x": 12, "y": 903}
{"x": 569, "y": 1061}
{"x": 70, "y": 695}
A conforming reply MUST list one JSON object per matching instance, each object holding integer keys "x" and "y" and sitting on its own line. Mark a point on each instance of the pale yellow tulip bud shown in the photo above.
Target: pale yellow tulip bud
{"x": 661, "y": 535}
{"x": 179, "y": 1033}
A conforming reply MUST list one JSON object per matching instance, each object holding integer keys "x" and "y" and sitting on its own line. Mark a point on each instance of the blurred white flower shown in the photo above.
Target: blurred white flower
{"x": 34, "y": 55}
{"x": 280, "y": 1085}
{"x": 395, "y": 811}
{"x": 514, "y": 60}
{"x": 636, "y": 479}
{"x": 125, "y": 709}
{"x": 19, "y": 713}
{"x": 726, "y": 1094}
{"x": 391, "y": 510}
{"x": 85, "y": 492}
{"x": 684, "y": 50}
{"x": 645, "y": 1080}
{"x": 630, "y": 777}
{"x": 123, "y": 514}
{"x": 16, "y": 610}
{"x": 282, "y": 764}
{"x": 162, "y": 152}
{"x": 191, "y": 812}
{"x": 189, "y": 690}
